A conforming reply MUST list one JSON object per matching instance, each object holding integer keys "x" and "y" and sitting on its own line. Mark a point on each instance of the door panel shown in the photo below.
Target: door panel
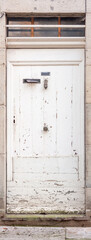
{"x": 45, "y": 131}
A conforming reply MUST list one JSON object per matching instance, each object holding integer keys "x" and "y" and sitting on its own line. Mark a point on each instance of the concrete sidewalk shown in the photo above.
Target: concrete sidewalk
{"x": 44, "y": 233}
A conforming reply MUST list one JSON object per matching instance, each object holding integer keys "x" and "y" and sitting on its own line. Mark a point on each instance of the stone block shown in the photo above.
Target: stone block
{"x": 88, "y": 124}
{"x": 32, "y": 233}
{"x": 2, "y": 30}
{"x": 88, "y": 84}
{"x": 1, "y": 204}
{"x": 88, "y": 166}
{"x": 88, "y": 6}
{"x": 2, "y": 129}
{"x": 42, "y": 6}
{"x": 78, "y": 233}
{"x": 88, "y": 56}
{"x": 88, "y": 198}
{"x": 2, "y": 181}
{"x": 88, "y": 31}
{"x": 2, "y": 84}
{"x": 2, "y": 164}
{"x": 2, "y": 56}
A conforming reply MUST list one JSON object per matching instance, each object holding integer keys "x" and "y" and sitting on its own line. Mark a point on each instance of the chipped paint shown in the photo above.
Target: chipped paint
{"x": 47, "y": 156}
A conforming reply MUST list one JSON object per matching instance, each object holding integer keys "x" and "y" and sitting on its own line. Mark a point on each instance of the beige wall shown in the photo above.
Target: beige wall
{"x": 42, "y": 6}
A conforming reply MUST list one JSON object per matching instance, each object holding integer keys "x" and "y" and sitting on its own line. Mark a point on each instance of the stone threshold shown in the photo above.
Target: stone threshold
{"x": 44, "y": 233}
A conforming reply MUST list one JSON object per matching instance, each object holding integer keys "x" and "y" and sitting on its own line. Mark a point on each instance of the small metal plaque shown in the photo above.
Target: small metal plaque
{"x": 45, "y": 73}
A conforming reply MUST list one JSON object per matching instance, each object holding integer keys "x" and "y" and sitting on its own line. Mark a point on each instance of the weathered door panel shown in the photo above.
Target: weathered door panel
{"x": 45, "y": 131}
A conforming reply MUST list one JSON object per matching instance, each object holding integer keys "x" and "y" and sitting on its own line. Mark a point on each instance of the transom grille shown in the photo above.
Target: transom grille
{"x": 46, "y": 26}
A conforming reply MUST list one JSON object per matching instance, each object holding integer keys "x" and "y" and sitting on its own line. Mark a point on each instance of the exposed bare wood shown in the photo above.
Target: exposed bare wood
{"x": 32, "y": 29}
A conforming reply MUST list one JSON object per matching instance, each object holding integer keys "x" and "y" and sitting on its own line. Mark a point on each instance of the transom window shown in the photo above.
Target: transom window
{"x": 46, "y": 26}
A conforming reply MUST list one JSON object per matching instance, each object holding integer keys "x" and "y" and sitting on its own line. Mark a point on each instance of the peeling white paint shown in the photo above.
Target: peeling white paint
{"x": 47, "y": 168}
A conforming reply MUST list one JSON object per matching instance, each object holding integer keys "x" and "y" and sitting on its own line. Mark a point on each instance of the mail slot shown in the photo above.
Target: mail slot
{"x": 30, "y": 80}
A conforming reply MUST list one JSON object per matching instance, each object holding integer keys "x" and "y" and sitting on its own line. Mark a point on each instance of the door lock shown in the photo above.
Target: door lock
{"x": 45, "y": 83}
{"x": 13, "y": 119}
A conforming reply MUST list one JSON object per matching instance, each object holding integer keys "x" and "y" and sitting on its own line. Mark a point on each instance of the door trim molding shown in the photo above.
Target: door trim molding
{"x": 12, "y": 63}
{"x": 50, "y": 42}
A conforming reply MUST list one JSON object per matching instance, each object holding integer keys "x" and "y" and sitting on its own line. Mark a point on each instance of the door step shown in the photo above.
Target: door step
{"x": 44, "y": 233}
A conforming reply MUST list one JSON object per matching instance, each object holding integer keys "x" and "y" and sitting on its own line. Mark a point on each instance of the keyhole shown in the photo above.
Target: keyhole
{"x": 13, "y": 119}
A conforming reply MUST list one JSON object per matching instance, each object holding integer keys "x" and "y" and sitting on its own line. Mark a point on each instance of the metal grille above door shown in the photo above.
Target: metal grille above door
{"x": 46, "y": 26}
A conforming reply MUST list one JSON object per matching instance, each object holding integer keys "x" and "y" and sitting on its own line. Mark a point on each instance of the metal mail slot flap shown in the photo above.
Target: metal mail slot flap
{"x": 30, "y": 80}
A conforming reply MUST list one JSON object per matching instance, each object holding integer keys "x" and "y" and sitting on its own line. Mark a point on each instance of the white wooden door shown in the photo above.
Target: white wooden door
{"x": 45, "y": 130}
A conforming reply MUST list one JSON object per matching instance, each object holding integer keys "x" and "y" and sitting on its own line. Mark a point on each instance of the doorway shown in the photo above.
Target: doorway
{"x": 45, "y": 131}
